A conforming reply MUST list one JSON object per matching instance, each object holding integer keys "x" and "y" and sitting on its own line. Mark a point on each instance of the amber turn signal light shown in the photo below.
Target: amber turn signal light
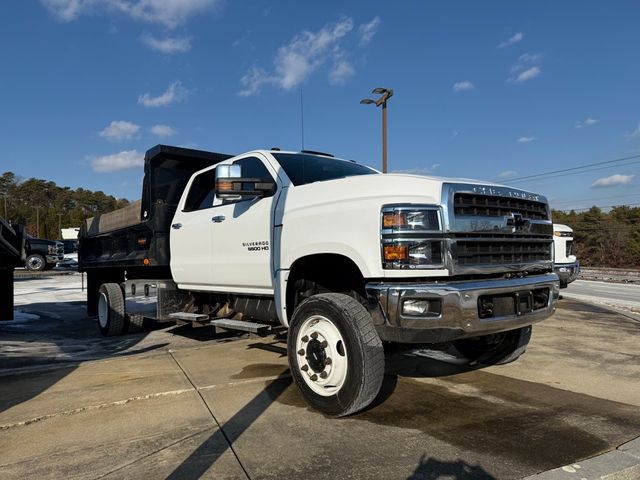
{"x": 396, "y": 252}
{"x": 223, "y": 186}
{"x": 394, "y": 220}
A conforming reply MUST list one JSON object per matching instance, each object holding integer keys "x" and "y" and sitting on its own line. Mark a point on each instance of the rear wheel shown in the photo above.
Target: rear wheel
{"x": 111, "y": 318}
{"x": 35, "y": 263}
{"x": 135, "y": 323}
{"x": 497, "y": 348}
{"x": 335, "y": 354}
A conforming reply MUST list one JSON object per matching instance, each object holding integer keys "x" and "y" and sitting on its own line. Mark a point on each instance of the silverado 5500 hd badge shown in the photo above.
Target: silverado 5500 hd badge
{"x": 256, "y": 246}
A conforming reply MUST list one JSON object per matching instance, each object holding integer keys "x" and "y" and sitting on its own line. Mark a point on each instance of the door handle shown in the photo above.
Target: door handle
{"x": 176, "y": 226}
{"x": 218, "y": 218}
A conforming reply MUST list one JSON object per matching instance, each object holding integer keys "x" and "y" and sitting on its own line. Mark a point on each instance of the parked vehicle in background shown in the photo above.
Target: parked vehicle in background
{"x": 43, "y": 254}
{"x": 70, "y": 259}
{"x": 565, "y": 262}
{"x": 342, "y": 256}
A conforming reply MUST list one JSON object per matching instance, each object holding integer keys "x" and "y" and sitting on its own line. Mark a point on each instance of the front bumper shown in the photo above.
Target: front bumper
{"x": 567, "y": 272}
{"x": 54, "y": 258}
{"x": 518, "y": 302}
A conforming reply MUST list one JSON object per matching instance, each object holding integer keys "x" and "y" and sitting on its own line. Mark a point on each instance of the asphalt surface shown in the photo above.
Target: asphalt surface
{"x": 614, "y": 294}
{"x": 188, "y": 403}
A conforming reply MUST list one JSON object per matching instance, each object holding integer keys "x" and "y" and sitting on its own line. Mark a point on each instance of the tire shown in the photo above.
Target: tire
{"x": 495, "y": 349}
{"x": 134, "y": 323}
{"x": 35, "y": 263}
{"x": 335, "y": 354}
{"x": 111, "y": 317}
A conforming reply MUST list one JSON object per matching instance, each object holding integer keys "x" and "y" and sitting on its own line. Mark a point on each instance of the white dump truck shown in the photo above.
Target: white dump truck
{"x": 342, "y": 256}
{"x": 565, "y": 263}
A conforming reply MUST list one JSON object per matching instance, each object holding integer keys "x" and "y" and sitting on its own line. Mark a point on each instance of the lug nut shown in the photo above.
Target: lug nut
{"x": 314, "y": 335}
{"x": 305, "y": 339}
{"x": 304, "y": 368}
{"x": 327, "y": 361}
{"x": 301, "y": 351}
{"x": 324, "y": 374}
{"x": 324, "y": 344}
{"x": 314, "y": 377}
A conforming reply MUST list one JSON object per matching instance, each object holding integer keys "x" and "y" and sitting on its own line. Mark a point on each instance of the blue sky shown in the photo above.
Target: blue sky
{"x": 488, "y": 90}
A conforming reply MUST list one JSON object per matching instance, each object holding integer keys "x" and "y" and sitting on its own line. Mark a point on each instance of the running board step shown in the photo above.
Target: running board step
{"x": 251, "y": 327}
{"x": 190, "y": 317}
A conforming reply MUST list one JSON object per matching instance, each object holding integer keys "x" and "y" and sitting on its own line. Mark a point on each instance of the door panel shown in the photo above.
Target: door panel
{"x": 191, "y": 247}
{"x": 241, "y": 245}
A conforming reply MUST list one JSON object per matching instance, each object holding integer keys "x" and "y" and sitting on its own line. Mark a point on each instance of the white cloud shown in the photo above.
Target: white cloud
{"x": 66, "y": 10}
{"x": 163, "y": 131}
{"x": 341, "y": 72}
{"x": 515, "y": 39}
{"x": 507, "y": 174}
{"x": 612, "y": 181}
{"x": 526, "y": 139}
{"x": 587, "y": 122}
{"x": 169, "y": 13}
{"x": 118, "y": 161}
{"x": 174, "y": 93}
{"x": 120, "y": 130}
{"x": 297, "y": 60}
{"x": 528, "y": 74}
{"x": 419, "y": 170}
{"x": 368, "y": 30}
{"x": 634, "y": 134}
{"x": 167, "y": 45}
{"x": 463, "y": 86}
{"x": 526, "y": 67}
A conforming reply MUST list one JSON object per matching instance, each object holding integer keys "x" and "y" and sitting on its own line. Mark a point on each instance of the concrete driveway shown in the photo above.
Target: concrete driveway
{"x": 180, "y": 403}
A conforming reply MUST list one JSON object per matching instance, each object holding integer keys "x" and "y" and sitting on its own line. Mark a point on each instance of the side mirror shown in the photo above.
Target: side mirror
{"x": 230, "y": 185}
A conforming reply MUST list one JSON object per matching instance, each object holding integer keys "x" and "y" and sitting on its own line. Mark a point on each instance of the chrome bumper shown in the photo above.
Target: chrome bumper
{"x": 567, "y": 272}
{"x": 54, "y": 258}
{"x": 458, "y": 315}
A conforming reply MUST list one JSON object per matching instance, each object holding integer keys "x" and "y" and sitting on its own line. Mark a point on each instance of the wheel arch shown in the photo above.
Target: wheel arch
{"x": 324, "y": 272}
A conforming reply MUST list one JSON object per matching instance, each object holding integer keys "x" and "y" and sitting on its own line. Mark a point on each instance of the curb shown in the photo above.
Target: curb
{"x": 623, "y": 463}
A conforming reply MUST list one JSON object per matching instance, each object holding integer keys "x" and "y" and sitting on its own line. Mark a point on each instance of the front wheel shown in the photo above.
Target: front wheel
{"x": 497, "y": 348}
{"x": 35, "y": 263}
{"x": 335, "y": 354}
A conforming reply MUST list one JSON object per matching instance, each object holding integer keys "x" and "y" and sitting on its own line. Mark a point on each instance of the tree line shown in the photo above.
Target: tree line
{"x": 44, "y": 207}
{"x": 605, "y": 239}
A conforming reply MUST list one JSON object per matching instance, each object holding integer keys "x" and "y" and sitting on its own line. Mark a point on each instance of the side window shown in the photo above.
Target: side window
{"x": 202, "y": 192}
{"x": 253, "y": 167}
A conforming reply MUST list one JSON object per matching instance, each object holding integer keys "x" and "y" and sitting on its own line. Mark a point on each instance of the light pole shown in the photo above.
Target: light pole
{"x": 385, "y": 93}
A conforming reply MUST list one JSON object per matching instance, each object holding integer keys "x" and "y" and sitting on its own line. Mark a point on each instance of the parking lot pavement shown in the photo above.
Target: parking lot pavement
{"x": 187, "y": 406}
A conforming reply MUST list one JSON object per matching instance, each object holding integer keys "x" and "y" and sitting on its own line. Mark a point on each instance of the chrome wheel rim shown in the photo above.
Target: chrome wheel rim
{"x": 103, "y": 310}
{"x": 322, "y": 358}
{"x": 35, "y": 263}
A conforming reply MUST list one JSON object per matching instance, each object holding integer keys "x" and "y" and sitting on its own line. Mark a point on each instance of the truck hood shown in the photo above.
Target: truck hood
{"x": 397, "y": 187}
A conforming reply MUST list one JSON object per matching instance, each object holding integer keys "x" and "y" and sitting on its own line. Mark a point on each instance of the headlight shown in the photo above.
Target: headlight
{"x": 411, "y": 237}
{"x": 51, "y": 249}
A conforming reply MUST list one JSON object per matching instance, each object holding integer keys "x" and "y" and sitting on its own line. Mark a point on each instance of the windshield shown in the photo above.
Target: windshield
{"x": 302, "y": 168}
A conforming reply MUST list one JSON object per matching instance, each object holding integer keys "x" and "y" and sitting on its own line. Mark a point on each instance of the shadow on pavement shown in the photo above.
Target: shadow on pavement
{"x": 432, "y": 469}
{"x": 194, "y": 466}
{"x": 52, "y": 339}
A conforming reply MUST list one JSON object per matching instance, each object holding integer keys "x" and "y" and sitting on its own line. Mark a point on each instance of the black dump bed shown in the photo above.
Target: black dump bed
{"x": 12, "y": 242}
{"x": 138, "y": 235}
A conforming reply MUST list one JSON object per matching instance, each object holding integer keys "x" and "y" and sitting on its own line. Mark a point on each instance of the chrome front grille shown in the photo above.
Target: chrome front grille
{"x": 496, "y": 229}
{"x": 469, "y": 204}
{"x": 500, "y": 250}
